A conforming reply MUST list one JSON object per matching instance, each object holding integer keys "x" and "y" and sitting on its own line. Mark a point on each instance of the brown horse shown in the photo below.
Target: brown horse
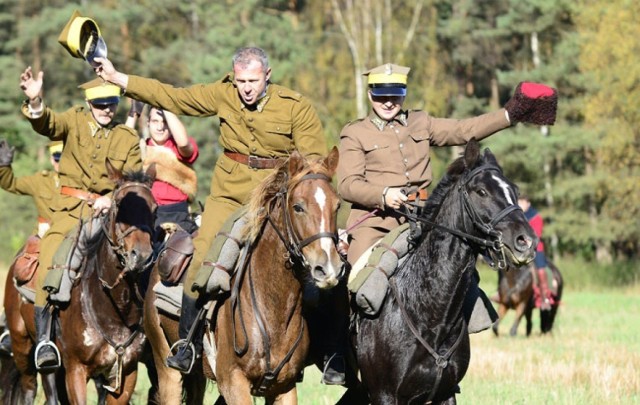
{"x": 18, "y": 377}
{"x": 261, "y": 337}
{"x": 100, "y": 330}
{"x": 515, "y": 291}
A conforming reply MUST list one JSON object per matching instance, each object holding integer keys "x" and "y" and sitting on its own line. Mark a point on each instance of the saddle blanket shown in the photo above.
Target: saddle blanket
{"x": 168, "y": 298}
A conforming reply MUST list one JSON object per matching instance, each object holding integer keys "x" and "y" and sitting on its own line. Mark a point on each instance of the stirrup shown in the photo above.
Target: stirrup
{"x": 39, "y": 347}
{"x": 326, "y": 368}
{"x": 182, "y": 345}
{"x": 3, "y": 336}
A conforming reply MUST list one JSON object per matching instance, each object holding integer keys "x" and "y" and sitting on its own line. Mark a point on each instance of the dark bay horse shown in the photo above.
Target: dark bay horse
{"x": 515, "y": 291}
{"x": 261, "y": 337}
{"x": 100, "y": 334}
{"x": 417, "y": 350}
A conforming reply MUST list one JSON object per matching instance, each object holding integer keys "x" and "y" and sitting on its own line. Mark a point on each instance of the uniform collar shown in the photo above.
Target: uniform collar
{"x": 379, "y": 123}
{"x": 262, "y": 101}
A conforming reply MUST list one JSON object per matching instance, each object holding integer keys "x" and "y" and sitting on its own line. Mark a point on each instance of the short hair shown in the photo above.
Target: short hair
{"x": 244, "y": 56}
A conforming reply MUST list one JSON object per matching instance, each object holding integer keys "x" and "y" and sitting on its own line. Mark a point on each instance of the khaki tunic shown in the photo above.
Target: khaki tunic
{"x": 42, "y": 186}
{"x": 285, "y": 122}
{"x": 398, "y": 155}
{"x": 82, "y": 166}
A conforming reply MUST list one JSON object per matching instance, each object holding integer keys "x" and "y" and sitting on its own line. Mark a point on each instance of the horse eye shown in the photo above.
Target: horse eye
{"x": 298, "y": 208}
{"x": 482, "y": 192}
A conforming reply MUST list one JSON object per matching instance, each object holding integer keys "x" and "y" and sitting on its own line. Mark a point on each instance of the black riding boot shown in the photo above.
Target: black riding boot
{"x": 190, "y": 344}
{"x": 47, "y": 357}
{"x": 334, "y": 370}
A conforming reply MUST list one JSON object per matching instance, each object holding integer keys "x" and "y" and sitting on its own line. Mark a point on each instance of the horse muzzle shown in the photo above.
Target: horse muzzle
{"x": 522, "y": 249}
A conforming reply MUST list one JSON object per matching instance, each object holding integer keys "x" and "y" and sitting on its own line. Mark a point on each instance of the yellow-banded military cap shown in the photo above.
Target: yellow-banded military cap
{"x": 81, "y": 38}
{"x": 97, "y": 91}
{"x": 388, "y": 80}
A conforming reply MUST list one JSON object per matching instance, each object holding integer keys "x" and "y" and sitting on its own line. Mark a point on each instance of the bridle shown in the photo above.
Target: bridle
{"x": 116, "y": 236}
{"x": 493, "y": 238}
{"x": 289, "y": 237}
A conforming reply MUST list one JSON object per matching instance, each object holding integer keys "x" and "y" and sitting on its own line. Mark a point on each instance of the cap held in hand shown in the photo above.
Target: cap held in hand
{"x": 82, "y": 39}
{"x": 533, "y": 103}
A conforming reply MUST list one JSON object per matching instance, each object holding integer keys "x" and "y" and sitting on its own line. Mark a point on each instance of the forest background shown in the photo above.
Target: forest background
{"x": 466, "y": 57}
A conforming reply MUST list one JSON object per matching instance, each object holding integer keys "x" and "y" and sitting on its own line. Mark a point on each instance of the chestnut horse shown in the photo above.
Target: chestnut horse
{"x": 261, "y": 337}
{"x": 18, "y": 377}
{"x": 417, "y": 350}
{"x": 100, "y": 333}
{"x": 515, "y": 291}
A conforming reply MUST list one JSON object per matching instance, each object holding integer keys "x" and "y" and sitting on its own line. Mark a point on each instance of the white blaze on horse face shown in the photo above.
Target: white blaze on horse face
{"x": 326, "y": 243}
{"x": 505, "y": 187}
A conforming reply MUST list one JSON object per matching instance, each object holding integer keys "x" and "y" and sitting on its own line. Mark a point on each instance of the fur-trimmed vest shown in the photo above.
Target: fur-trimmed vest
{"x": 170, "y": 170}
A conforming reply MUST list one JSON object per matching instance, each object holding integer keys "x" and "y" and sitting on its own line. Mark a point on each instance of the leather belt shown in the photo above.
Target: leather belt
{"x": 254, "y": 162}
{"x": 422, "y": 194}
{"x": 77, "y": 193}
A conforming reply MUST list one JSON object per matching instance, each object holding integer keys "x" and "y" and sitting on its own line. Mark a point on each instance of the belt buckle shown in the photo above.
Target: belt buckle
{"x": 254, "y": 162}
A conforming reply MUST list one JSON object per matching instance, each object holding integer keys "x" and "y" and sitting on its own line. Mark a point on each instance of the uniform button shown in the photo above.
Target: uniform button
{"x": 90, "y": 165}
{"x": 397, "y": 132}
{"x": 401, "y": 146}
{"x": 406, "y": 174}
{"x": 94, "y": 156}
{"x": 250, "y": 119}
{"x": 95, "y": 182}
{"x": 278, "y": 128}
{"x": 97, "y": 146}
{"x": 253, "y": 138}
{"x": 375, "y": 146}
{"x": 254, "y": 149}
{"x": 251, "y": 129}
{"x": 406, "y": 160}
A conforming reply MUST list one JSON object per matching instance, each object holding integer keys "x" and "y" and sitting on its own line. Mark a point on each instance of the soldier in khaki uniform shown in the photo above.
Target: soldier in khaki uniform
{"x": 91, "y": 137}
{"x": 386, "y": 156}
{"x": 260, "y": 122}
{"x": 42, "y": 186}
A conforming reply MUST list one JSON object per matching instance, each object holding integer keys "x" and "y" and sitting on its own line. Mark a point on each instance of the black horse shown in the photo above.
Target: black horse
{"x": 417, "y": 350}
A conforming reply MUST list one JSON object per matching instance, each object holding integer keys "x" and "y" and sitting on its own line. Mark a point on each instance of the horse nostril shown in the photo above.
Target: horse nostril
{"x": 523, "y": 242}
{"x": 319, "y": 272}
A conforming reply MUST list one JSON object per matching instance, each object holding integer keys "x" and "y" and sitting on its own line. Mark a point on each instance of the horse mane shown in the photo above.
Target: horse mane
{"x": 261, "y": 202}
{"x": 434, "y": 202}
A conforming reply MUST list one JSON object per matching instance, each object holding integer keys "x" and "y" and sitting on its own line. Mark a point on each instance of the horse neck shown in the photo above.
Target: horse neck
{"x": 271, "y": 269}
{"x": 437, "y": 276}
{"x": 120, "y": 301}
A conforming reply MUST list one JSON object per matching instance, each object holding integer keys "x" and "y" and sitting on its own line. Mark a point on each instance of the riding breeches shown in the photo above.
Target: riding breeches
{"x": 62, "y": 222}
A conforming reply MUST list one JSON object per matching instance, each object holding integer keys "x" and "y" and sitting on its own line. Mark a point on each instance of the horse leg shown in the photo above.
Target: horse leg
{"x": 76, "y": 382}
{"x": 288, "y": 398}
{"x": 49, "y": 385}
{"x": 528, "y": 313}
{"x": 519, "y": 312}
{"x": 126, "y": 390}
{"x": 237, "y": 389}
{"x": 502, "y": 309}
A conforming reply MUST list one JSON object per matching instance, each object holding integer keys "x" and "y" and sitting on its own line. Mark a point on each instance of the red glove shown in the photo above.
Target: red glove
{"x": 534, "y": 103}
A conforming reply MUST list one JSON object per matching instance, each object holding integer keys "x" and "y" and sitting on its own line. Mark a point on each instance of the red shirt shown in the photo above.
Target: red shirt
{"x": 164, "y": 192}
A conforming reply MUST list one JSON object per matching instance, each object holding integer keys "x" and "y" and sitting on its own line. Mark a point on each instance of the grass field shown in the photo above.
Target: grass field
{"x": 592, "y": 357}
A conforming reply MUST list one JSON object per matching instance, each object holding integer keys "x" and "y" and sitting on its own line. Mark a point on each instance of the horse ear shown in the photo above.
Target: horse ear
{"x": 296, "y": 162}
{"x": 151, "y": 172}
{"x": 471, "y": 153}
{"x": 331, "y": 161}
{"x": 490, "y": 157}
{"x": 114, "y": 174}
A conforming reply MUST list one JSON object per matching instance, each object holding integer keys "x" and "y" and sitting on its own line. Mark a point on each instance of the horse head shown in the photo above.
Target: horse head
{"x": 489, "y": 201}
{"x": 312, "y": 209}
{"x": 129, "y": 224}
